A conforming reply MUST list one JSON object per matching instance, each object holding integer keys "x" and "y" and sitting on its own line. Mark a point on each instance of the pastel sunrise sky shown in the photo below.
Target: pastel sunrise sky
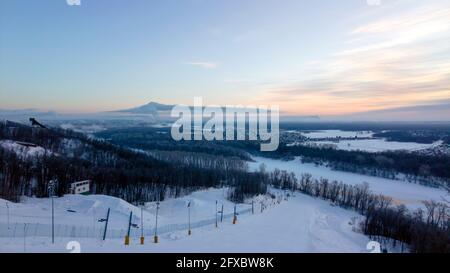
{"x": 321, "y": 57}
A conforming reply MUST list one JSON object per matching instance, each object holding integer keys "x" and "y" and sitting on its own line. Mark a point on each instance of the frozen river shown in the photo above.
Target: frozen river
{"x": 410, "y": 194}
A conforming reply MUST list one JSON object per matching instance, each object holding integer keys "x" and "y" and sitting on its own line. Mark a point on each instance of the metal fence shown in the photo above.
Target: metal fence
{"x": 21, "y": 230}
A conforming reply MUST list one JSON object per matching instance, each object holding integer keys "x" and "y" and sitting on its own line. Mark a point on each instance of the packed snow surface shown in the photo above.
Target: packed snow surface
{"x": 298, "y": 223}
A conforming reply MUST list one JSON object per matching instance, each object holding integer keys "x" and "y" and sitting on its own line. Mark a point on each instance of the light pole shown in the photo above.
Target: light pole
{"x": 94, "y": 220}
{"x": 234, "y": 215}
{"x": 127, "y": 237}
{"x": 53, "y": 221}
{"x": 51, "y": 192}
{"x": 216, "y": 213}
{"x": 24, "y": 237}
{"x": 189, "y": 218}
{"x": 7, "y": 213}
{"x": 142, "y": 225}
{"x": 155, "y": 238}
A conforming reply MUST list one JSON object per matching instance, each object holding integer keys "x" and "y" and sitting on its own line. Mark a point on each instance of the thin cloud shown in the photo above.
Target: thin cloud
{"x": 387, "y": 63}
{"x": 206, "y": 65}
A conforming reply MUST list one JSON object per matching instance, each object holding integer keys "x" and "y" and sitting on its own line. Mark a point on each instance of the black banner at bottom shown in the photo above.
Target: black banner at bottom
{"x": 206, "y": 262}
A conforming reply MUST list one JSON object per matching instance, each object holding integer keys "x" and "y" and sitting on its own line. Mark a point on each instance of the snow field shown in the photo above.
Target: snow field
{"x": 377, "y": 145}
{"x": 368, "y": 145}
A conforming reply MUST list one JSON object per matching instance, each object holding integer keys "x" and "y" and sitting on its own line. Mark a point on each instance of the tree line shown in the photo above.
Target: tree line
{"x": 131, "y": 175}
{"x": 425, "y": 168}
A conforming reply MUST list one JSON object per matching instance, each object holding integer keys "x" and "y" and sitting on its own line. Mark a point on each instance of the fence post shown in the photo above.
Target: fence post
{"x": 155, "y": 238}
{"x": 14, "y": 233}
{"x": 127, "y": 237}
{"x": 189, "y": 218}
{"x": 73, "y": 232}
{"x": 216, "y": 214}
{"x": 35, "y": 229}
{"x": 106, "y": 225}
{"x": 7, "y": 213}
{"x": 24, "y": 237}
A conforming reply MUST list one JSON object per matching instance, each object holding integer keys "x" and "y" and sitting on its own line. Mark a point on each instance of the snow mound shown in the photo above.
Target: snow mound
{"x": 23, "y": 151}
{"x": 79, "y": 210}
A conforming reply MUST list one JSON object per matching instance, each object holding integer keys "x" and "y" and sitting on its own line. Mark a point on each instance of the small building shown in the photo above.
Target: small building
{"x": 80, "y": 187}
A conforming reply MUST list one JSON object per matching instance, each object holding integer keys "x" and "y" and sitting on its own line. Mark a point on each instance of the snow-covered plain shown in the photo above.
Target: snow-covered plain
{"x": 372, "y": 145}
{"x": 298, "y": 224}
{"x": 377, "y": 145}
{"x": 336, "y": 133}
{"x": 410, "y": 194}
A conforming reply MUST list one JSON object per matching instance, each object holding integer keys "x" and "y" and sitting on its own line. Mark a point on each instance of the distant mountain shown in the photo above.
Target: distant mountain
{"x": 24, "y": 114}
{"x": 161, "y": 112}
{"x": 149, "y": 108}
{"x": 439, "y": 111}
{"x": 154, "y": 107}
{"x": 31, "y": 111}
{"x": 312, "y": 118}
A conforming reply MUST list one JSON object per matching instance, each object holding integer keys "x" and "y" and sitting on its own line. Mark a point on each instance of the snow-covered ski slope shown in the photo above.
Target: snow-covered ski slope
{"x": 299, "y": 224}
